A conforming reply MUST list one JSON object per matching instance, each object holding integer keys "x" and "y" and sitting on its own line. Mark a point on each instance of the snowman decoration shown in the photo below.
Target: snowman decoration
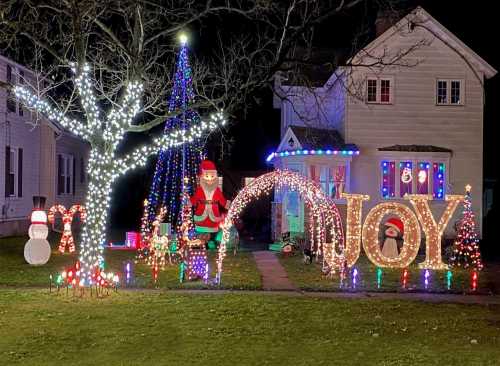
{"x": 394, "y": 229}
{"x": 37, "y": 248}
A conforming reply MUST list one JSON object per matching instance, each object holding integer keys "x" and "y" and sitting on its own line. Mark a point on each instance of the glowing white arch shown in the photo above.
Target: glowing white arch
{"x": 324, "y": 212}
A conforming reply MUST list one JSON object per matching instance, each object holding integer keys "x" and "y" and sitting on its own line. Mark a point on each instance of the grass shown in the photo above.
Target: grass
{"x": 152, "y": 328}
{"x": 309, "y": 277}
{"x": 240, "y": 271}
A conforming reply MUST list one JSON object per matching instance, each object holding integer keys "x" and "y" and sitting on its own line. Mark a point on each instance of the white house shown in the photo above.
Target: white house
{"x": 35, "y": 158}
{"x": 414, "y": 126}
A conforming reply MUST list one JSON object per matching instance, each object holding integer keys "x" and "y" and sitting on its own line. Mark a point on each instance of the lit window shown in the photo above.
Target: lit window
{"x": 423, "y": 178}
{"x": 449, "y": 92}
{"x": 388, "y": 179}
{"x": 420, "y": 177}
{"x": 438, "y": 185}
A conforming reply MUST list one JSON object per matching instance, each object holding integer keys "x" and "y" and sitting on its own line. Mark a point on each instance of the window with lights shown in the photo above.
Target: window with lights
{"x": 412, "y": 176}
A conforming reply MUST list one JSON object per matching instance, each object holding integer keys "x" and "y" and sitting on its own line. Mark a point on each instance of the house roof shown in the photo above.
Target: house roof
{"x": 320, "y": 138}
{"x": 318, "y": 65}
{"x": 418, "y": 17}
{"x": 415, "y": 148}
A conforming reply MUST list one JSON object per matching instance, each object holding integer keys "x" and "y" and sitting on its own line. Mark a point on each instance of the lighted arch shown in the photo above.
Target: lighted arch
{"x": 324, "y": 213}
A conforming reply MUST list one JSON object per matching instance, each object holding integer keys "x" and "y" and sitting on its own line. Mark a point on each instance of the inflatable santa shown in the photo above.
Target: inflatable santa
{"x": 208, "y": 200}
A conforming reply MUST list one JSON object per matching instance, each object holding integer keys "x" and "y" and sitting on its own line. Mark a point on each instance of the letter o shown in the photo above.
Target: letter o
{"x": 411, "y": 236}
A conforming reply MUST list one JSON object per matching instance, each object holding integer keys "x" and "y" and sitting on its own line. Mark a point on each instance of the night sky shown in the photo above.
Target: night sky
{"x": 257, "y": 134}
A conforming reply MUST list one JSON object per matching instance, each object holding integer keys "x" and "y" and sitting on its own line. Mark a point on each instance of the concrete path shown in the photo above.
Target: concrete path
{"x": 273, "y": 274}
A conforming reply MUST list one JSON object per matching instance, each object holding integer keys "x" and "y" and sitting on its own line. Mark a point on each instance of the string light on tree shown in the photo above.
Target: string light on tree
{"x": 104, "y": 132}
{"x": 466, "y": 251}
{"x": 176, "y": 168}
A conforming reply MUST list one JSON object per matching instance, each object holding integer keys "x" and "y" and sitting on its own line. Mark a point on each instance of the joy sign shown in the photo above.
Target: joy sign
{"x": 368, "y": 232}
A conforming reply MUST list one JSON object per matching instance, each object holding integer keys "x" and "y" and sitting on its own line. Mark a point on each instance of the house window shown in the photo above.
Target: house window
{"x": 423, "y": 177}
{"x": 21, "y": 82}
{"x": 10, "y": 101}
{"x": 412, "y": 176}
{"x": 379, "y": 90}
{"x": 65, "y": 175}
{"x": 331, "y": 179}
{"x": 13, "y": 172}
{"x": 405, "y": 178}
{"x": 372, "y": 91}
{"x": 449, "y": 92}
{"x": 388, "y": 179}
{"x": 438, "y": 173}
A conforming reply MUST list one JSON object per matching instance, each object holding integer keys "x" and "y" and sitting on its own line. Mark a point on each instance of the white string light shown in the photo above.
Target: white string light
{"x": 104, "y": 134}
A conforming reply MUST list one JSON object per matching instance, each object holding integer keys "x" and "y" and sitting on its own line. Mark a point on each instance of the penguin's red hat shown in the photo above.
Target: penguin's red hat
{"x": 396, "y": 224}
{"x": 207, "y": 166}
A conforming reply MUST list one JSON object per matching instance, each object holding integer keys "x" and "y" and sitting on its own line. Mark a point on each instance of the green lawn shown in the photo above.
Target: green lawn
{"x": 240, "y": 271}
{"x": 309, "y": 277}
{"x": 151, "y": 328}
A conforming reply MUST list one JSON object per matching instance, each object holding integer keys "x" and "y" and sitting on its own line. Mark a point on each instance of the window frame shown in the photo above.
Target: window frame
{"x": 68, "y": 163}
{"x": 378, "y": 91}
{"x": 449, "y": 81}
{"x": 415, "y": 159}
{"x": 13, "y": 170}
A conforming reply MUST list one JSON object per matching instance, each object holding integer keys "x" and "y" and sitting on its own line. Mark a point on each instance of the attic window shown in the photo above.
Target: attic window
{"x": 291, "y": 142}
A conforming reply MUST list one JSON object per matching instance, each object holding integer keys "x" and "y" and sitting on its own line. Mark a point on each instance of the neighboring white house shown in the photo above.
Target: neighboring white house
{"x": 35, "y": 159}
{"x": 412, "y": 127}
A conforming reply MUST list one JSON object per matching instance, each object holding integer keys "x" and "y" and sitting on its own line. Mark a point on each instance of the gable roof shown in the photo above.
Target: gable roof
{"x": 320, "y": 138}
{"x": 420, "y": 17}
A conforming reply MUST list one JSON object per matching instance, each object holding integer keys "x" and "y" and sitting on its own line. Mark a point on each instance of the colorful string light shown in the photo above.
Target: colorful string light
{"x": 273, "y": 155}
{"x": 466, "y": 251}
{"x": 449, "y": 277}
{"x": 176, "y": 168}
{"x": 379, "y": 277}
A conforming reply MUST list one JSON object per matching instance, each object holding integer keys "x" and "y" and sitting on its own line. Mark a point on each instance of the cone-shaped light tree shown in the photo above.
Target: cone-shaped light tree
{"x": 104, "y": 131}
{"x": 466, "y": 246}
{"x": 178, "y": 166}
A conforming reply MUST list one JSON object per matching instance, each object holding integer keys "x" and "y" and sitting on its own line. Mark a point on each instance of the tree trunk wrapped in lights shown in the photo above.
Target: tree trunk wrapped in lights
{"x": 104, "y": 133}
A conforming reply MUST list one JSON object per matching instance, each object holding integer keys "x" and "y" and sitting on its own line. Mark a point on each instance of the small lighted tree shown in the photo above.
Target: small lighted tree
{"x": 466, "y": 246}
{"x": 104, "y": 131}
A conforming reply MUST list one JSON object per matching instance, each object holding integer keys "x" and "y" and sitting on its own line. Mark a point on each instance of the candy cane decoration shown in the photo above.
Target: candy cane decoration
{"x": 67, "y": 218}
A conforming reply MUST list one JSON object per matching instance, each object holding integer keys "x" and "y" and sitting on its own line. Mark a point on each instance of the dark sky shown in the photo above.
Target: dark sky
{"x": 258, "y": 134}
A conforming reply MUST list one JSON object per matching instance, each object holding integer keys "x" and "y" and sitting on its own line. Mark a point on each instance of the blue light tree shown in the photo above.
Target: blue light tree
{"x": 178, "y": 163}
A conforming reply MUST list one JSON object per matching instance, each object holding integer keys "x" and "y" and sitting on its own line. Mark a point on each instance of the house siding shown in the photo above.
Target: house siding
{"x": 414, "y": 118}
{"x": 40, "y": 142}
{"x": 67, "y": 144}
{"x": 15, "y": 131}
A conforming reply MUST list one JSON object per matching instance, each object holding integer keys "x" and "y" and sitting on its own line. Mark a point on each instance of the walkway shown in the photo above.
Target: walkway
{"x": 273, "y": 274}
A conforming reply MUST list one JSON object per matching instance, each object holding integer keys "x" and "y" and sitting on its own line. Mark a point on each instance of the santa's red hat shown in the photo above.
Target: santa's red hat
{"x": 207, "y": 166}
{"x": 396, "y": 224}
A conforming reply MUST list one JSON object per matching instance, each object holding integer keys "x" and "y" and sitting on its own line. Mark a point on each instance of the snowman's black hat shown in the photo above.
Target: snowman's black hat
{"x": 39, "y": 202}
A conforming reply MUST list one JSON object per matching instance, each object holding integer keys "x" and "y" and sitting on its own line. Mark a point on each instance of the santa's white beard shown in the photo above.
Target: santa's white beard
{"x": 208, "y": 187}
